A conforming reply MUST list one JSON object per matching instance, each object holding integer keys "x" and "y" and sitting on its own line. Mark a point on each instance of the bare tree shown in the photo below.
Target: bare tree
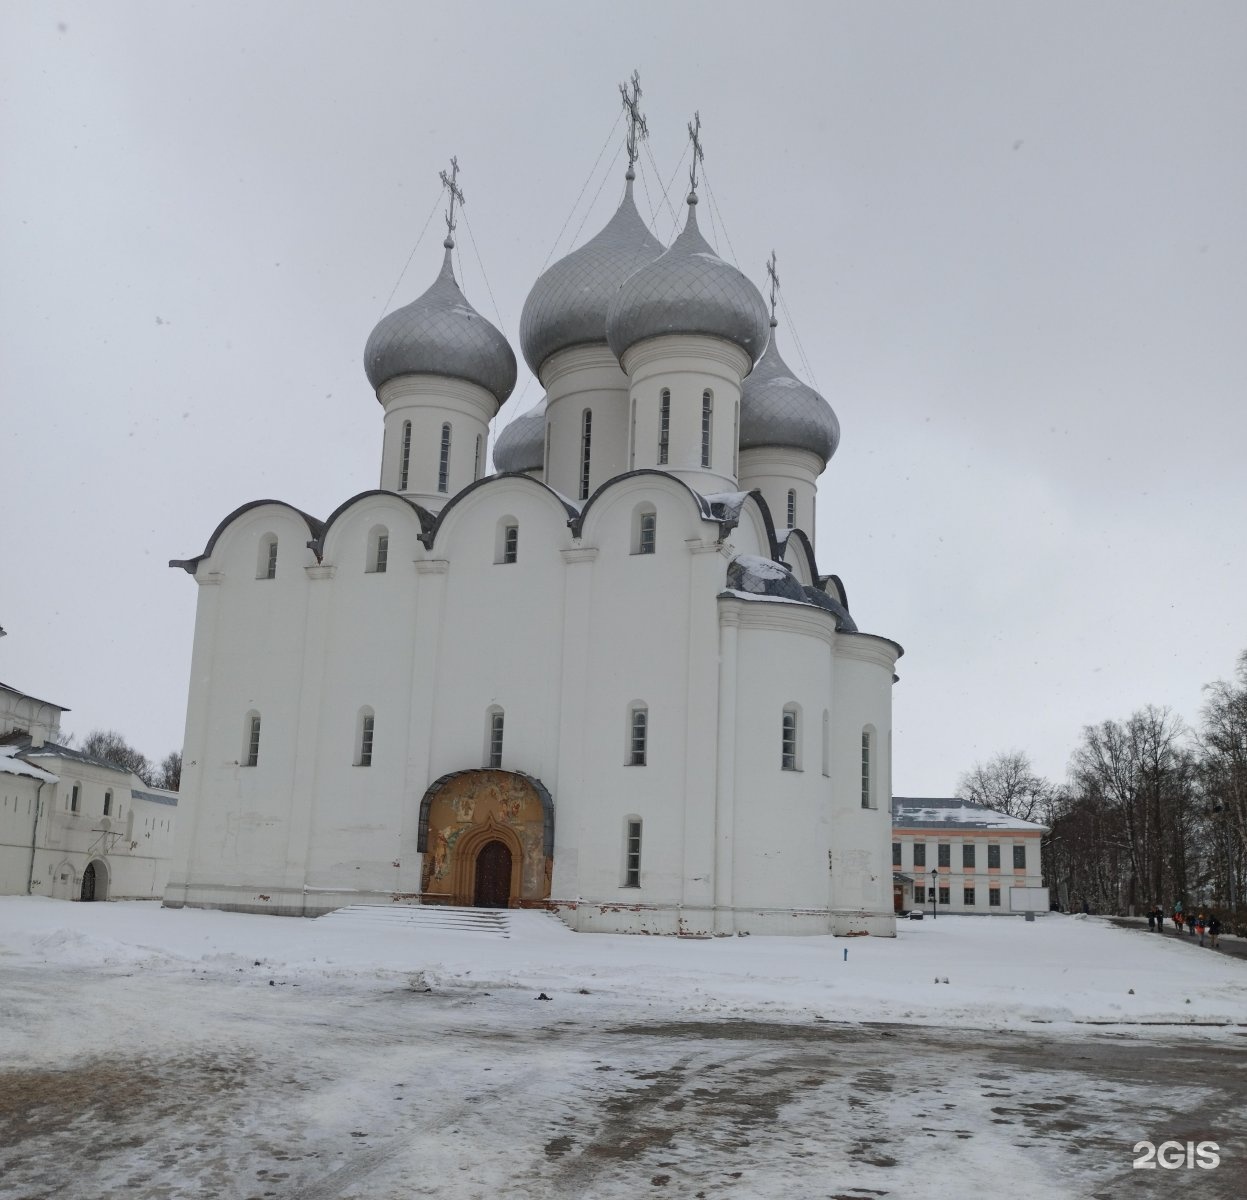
{"x": 169, "y": 773}
{"x": 109, "y": 746}
{"x": 1008, "y": 784}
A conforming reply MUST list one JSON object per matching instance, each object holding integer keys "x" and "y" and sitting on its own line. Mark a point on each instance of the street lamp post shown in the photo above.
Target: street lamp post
{"x": 935, "y": 875}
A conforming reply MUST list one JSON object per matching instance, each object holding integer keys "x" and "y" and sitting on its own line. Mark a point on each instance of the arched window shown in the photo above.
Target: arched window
{"x": 443, "y": 461}
{"x": 707, "y": 423}
{"x": 638, "y": 734}
{"x": 404, "y": 457}
{"x": 493, "y": 737}
{"x": 792, "y": 508}
{"x": 664, "y": 426}
{"x": 632, "y": 852}
{"x": 251, "y": 740}
{"x": 644, "y": 529}
{"x": 266, "y": 560}
{"x": 507, "y": 540}
{"x": 868, "y": 767}
{"x": 476, "y": 463}
{"x": 365, "y": 727}
{"x": 586, "y": 449}
{"x": 378, "y": 550}
{"x": 790, "y": 743}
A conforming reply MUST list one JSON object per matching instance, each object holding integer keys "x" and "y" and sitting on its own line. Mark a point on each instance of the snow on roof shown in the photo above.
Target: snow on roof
{"x": 909, "y": 812}
{"x": 10, "y": 764}
{"x": 8, "y": 687}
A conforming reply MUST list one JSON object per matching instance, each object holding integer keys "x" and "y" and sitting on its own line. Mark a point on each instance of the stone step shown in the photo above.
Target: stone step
{"x": 489, "y": 922}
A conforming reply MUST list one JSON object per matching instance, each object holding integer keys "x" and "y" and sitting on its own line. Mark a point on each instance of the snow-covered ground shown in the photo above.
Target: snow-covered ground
{"x": 161, "y": 1053}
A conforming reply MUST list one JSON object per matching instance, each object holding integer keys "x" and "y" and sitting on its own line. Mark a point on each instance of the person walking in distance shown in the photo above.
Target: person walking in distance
{"x": 1151, "y": 917}
{"x": 1201, "y": 923}
{"x": 1177, "y": 916}
{"x": 1214, "y": 930}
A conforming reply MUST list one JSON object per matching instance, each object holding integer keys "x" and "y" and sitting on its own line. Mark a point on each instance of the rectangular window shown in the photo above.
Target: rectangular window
{"x": 920, "y": 895}
{"x": 993, "y": 856}
{"x": 993, "y": 897}
{"x": 943, "y": 895}
{"x": 945, "y": 854}
{"x": 443, "y": 461}
{"x": 707, "y": 413}
{"x": 967, "y": 854}
{"x": 510, "y": 543}
{"x": 920, "y": 854}
{"x": 365, "y": 742}
{"x": 383, "y": 553}
{"x": 270, "y": 567}
{"x": 253, "y": 743}
{"x": 74, "y": 797}
{"x": 586, "y": 451}
{"x": 637, "y": 737}
{"x": 792, "y": 508}
{"x": 967, "y": 895}
{"x": 1019, "y": 858}
{"x": 108, "y": 803}
{"x": 495, "y": 739}
{"x": 788, "y": 751}
{"x": 404, "y": 460}
{"x": 664, "y": 426}
{"x": 649, "y": 529}
{"x": 866, "y": 768}
{"x": 896, "y": 854}
{"x": 632, "y": 855}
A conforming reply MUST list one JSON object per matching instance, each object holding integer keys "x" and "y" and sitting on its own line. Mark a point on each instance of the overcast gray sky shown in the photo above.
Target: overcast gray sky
{"x": 1011, "y": 239}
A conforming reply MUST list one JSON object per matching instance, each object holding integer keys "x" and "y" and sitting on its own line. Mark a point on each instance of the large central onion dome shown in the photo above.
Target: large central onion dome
{"x": 567, "y": 306}
{"x": 440, "y": 333}
{"x": 777, "y": 409}
{"x": 521, "y": 446}
{"x": 689, "y": 289}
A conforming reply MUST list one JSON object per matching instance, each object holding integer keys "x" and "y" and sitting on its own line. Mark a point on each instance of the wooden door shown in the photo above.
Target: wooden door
{"x": 493, "y": 876}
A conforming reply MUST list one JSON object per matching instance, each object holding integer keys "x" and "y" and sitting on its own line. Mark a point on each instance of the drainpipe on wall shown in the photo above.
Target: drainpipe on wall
{"x": 34, "y": 836}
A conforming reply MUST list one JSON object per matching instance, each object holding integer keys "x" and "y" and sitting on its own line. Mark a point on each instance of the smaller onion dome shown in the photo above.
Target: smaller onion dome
{"x": 440, "y": 333}
{"x": 567, "y": 306}
{"x": 777, "y": 409}
{"x": 688, "y": 289}
{"x": 521, "y": 446}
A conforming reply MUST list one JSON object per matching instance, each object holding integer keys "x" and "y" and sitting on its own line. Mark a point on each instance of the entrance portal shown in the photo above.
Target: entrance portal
{"x": 88, "y": 882}
{"x": 493, "y": 876}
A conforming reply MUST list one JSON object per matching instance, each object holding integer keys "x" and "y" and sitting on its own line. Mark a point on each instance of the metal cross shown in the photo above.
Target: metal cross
{"x": 694, "y": 132}
{"x": 773, "y": 276}
{"x": 456, "y": 193}
{"x": 637, "y": 129}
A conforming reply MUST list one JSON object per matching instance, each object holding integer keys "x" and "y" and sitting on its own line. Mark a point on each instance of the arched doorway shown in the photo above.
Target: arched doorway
{"x": 94, "y": 882}
{"x": 492, "y": 886}
{"x": 487, "y": 837}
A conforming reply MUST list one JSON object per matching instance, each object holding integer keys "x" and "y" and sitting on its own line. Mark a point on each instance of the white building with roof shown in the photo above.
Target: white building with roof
{"x": 610, "y": 679}
{"x": 968, "y": 855}
{"x": 72, "y": 826}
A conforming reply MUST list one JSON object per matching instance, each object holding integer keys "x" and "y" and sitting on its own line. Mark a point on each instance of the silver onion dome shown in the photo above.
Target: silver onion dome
{"x": 689, "y": 289}
{"x": 521, "y": 446}
{"x": 440, "y": 333}
{"x": 567, "y": 306}
{"x": 777, "y": 409}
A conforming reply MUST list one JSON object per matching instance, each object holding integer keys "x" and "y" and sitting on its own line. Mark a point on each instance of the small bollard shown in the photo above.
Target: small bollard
{"x": 846, "y": 954}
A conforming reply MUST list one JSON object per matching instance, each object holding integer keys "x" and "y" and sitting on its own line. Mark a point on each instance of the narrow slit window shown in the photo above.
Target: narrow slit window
{"x": 266, "y": 566}
{"x": 378, "y": 551}
{"x": 252, "y": 755}
{"x": 632, "y": 854}
{"x": 476, "y": 462}
{"x": 866, "y": 789}
{"x": 792, "y": 508}
{"x": 788, "y": 756}
{"x": 495, "y": 738}
{"x": 443, "y": 462}
{"x": 108, "y": 804}
{"x": 638, "y": 732}
{"x": 648, "y": 533}
{"x": 586, "y": 449}
{"x": 404, "y": 458}
{"x": 664, "y": 426}
{"x": 707, "y": 421}
{"x": 367, "y": 729}
{"x": 75, "y": 797}
{"x": 510, "y": 543}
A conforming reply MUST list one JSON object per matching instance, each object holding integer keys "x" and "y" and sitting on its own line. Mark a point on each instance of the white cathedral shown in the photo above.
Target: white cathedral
{"x": 608, "y": 680}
